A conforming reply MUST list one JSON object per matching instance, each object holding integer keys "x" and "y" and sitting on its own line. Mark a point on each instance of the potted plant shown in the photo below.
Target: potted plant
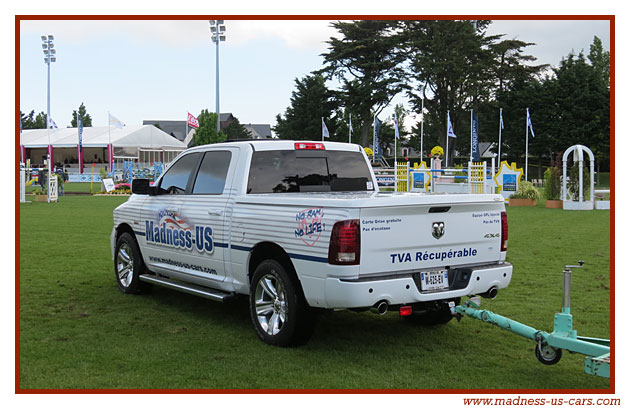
{"x": 526, "y": 195}
{"x": 40, "y": 194}
{"x": 552, "y": 187}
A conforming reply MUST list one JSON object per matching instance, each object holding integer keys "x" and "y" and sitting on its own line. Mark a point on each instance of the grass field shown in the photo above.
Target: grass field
{"x": 77, "y": 330}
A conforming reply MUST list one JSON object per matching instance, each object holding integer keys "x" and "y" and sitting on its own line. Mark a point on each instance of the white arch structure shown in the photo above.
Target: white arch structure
{"x": 578, "y": 156}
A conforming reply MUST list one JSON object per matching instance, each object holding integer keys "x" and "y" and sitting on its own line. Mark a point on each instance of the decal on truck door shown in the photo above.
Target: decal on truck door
{"x": 172, "y": 230}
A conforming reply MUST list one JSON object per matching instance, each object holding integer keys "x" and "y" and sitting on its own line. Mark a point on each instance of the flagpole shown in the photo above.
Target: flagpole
{"x": 186, "y": 134}
{"x": 322, "y": 129}
{"x": 422, "y": 128}
{"x": 447, "y": 118}
{"x": 500, "y": 123}
{"x": 526, "y": 143}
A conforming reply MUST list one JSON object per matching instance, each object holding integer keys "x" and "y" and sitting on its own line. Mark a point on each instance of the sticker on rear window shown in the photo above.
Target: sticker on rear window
{"x": 369, "y": 185}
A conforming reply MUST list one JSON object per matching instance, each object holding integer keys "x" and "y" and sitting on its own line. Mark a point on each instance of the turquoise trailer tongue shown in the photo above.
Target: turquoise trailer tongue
{"x": 549, "y": 346}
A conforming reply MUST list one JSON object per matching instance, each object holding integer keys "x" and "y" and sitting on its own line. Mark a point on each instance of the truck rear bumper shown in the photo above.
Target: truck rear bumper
{"x": 403, "y": 289}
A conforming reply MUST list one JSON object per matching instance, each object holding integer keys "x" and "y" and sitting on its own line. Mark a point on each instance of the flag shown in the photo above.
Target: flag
{"x": 192, "y": 121}
{"x": 51, "y": 123}
{"x": 450, "y": 133}
{"x": 474, "y": 149}
{"x": 529, "y": 124}
{"x": 325, "y": 133}
{"x": 351, "y": 129}
{"x": 396, "y": 132}
{"x": 115, "y": 121}
{"x": 501, "y": 118}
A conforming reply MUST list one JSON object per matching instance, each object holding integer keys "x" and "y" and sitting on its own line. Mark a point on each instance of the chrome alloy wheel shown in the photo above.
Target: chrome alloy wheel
{"x": 124, "y": 264}
{"x": 270, "y": 302}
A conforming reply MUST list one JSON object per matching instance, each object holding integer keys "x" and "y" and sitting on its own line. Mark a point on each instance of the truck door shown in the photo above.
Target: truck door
{"x": 207, "y": 212}
{"x": 167, "y": 234}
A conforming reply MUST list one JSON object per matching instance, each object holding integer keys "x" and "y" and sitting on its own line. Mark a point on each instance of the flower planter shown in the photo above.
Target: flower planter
{"x": 41, "y": 198}
{"x": 553, "y": 204}
{"x": 521, "y": 202}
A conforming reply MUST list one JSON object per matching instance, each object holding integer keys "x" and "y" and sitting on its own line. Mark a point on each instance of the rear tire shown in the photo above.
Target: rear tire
{"x": 128, "y": 265}
{"x": 440, "y": 314}
{"x": 277, "y": 306}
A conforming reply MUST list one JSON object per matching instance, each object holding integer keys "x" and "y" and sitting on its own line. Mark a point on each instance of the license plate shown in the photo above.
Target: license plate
{"x": 434, "y": 280}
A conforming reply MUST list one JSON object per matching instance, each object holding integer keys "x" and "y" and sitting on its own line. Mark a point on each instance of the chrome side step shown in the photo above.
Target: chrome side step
{"x": 204, "y": 292}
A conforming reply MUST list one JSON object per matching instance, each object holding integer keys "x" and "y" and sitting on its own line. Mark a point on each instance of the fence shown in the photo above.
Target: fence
{"x": 478, "y": 178}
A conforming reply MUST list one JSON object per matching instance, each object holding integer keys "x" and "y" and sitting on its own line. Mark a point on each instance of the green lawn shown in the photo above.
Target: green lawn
{"x": 77, "y": 330}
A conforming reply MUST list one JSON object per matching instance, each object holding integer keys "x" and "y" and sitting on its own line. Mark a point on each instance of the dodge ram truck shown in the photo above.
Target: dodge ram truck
{"x": 300, "y": 227}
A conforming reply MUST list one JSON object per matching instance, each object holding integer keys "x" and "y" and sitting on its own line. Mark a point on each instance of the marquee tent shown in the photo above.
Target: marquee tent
{"x": 142, "y": 143}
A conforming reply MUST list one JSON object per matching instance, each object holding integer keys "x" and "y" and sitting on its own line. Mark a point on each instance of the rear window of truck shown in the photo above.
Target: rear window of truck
{"x": 308, "y": 171}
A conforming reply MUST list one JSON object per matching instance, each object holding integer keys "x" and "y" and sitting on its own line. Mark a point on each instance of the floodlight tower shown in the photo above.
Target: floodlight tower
{"x": 49, "y": 56}
{"x": 217, "y": 29}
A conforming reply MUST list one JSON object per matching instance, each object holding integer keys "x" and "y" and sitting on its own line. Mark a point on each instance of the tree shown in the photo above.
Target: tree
{"x": 31, "y": 121}
{"x": 207, "y": 131}
{"x": 236, "y": 131}
{"x": 457, "y": 68}
{"x": 367, "y": 61}
{"x": 310, "y": 102}
{"x": 86, "y": 119}
{"x": 600, "y": 60}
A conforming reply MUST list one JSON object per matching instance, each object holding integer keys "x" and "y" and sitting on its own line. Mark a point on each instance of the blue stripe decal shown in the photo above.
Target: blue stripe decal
{"x": 309, "y": 258}
{"x": 242, "y": 248}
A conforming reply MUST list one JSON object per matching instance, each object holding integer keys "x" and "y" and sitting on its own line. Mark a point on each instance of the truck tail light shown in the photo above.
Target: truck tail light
{"x": 345, "y": 243}
{"x": 504, "y": 231}
{"x": 309, "y": 145}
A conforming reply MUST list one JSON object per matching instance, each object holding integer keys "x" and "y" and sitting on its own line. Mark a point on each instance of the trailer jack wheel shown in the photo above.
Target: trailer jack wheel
{"x": 548, "y": 355}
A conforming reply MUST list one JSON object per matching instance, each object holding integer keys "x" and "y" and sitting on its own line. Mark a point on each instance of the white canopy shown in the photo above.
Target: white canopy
{"x": 133, "y": 136}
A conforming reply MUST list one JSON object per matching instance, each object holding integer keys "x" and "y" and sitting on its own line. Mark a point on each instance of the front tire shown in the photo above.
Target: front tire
{"x": 277, "y": 307}
{"x": 128, "y": 265}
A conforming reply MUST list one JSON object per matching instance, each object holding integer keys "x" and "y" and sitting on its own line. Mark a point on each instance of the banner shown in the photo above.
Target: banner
{"x": 377, "y": 145}
{"x": 80, "y": 149}
{"x": 192, "y": 121}
{"x": 474, "y": 149}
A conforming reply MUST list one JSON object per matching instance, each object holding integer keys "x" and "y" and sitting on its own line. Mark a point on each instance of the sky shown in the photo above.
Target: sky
{"x": 141, "y": 69}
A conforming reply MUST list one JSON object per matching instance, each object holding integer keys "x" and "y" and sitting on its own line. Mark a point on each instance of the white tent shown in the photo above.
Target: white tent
{"x": 143, "y": 143}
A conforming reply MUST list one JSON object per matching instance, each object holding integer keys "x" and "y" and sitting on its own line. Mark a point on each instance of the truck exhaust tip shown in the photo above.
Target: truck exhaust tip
{"x": 491, "y": 293}
{"x": 380, "y": 308}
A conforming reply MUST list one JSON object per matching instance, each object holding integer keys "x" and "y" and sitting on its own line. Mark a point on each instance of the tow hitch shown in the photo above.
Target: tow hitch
{"x": 549, "y": 346}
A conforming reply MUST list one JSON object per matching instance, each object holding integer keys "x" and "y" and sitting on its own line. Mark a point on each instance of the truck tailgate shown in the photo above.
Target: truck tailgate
{"x": 424, "y": 236}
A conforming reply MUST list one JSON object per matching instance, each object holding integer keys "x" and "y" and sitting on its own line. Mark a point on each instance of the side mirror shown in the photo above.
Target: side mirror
{"x": 141, "y": 187}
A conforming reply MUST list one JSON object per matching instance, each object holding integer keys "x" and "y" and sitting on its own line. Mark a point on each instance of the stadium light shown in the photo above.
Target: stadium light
{"x": 217, "y": 29}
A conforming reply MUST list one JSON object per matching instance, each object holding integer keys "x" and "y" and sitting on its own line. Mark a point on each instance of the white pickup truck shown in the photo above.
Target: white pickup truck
{"x": 301, "y": 226}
